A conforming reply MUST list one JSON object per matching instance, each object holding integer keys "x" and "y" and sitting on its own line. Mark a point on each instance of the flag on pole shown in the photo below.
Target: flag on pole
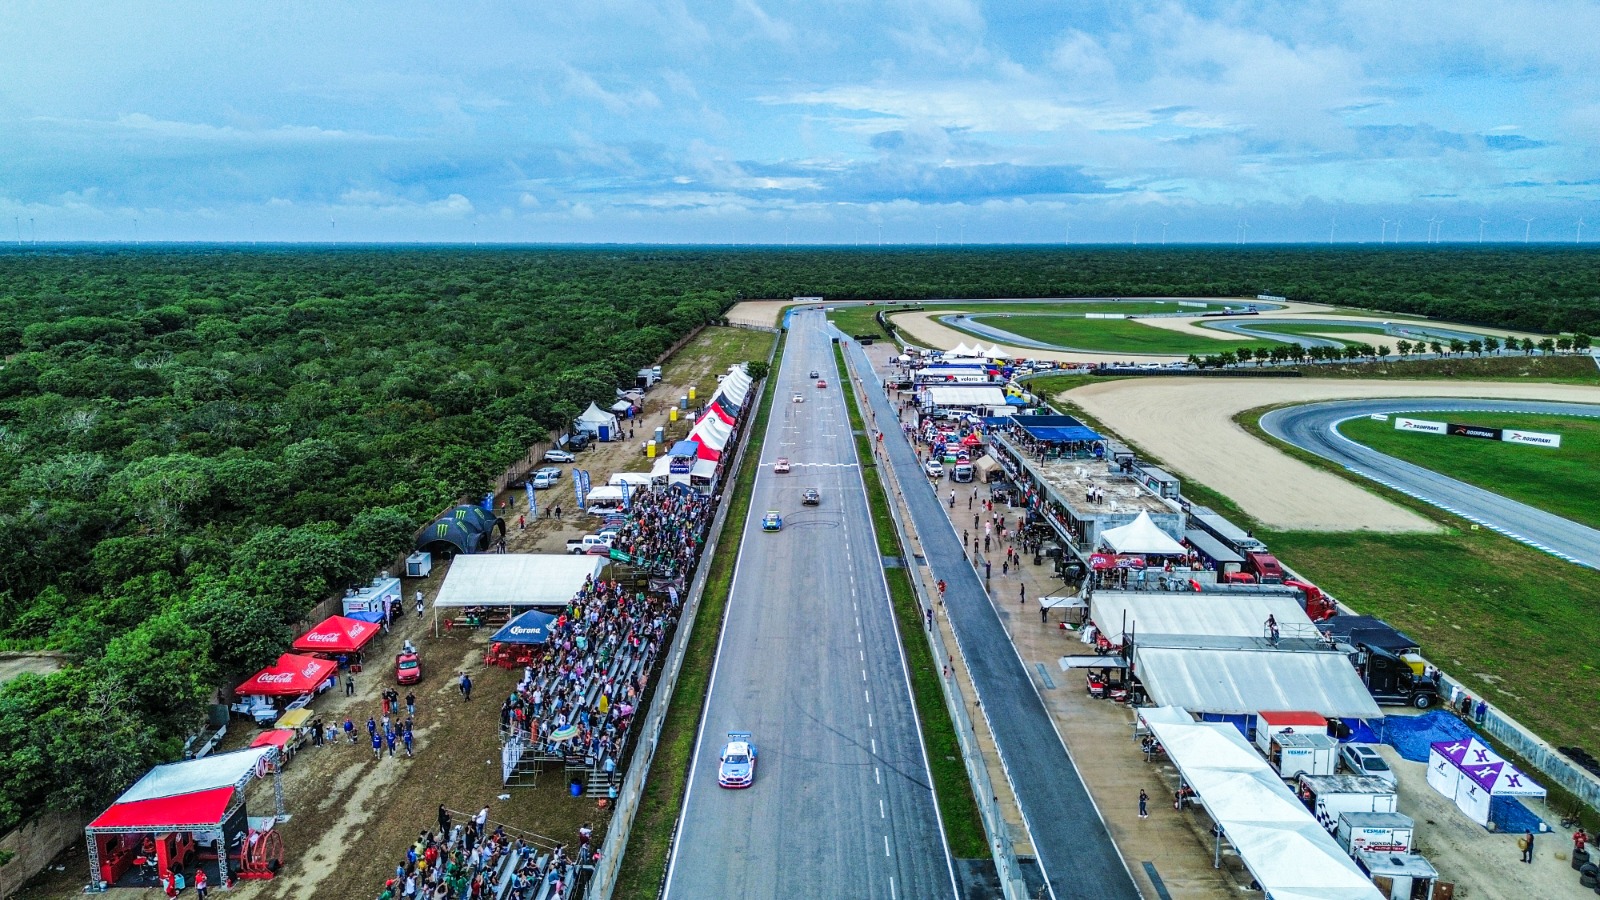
{"x": 580, "y": 478}
{"x": 533, "y": 502}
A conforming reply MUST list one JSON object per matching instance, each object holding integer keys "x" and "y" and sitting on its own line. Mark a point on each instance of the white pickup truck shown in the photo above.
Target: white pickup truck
{"x": 589, "y": 543}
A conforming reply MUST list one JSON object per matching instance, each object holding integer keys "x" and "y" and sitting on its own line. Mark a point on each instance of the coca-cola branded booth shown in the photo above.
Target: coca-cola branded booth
{"x": 292, "y": 675}
{"x": 336, "y": 635}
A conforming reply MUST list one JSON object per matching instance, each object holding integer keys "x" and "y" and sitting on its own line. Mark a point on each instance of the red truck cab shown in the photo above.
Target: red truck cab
{"x": 1265, "y": 567}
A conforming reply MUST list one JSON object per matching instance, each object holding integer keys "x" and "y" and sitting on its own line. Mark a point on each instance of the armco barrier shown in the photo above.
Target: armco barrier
{"x": 627, "y": 804}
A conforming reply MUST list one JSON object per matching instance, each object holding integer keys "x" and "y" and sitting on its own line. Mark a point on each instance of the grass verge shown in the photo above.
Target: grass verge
{"x": 1554, "y": 369}
{"x": 952, "y": 789}
{"x": 1560, "y": 480}
{"x": 644, "y": 861}
{"x": 854, "y": 320}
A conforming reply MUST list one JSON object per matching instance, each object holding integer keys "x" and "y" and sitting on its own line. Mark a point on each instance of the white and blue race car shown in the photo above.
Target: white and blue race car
{"x": 737, "y": 768}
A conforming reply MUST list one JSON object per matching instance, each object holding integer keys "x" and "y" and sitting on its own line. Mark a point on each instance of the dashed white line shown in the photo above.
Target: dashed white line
{"x": 868, "y": 693}
{"x": 886, "y": 845}
{"x": 863, "y": 655}
{"x": 869, "y": 720}
{"x": 875, "y": 751}
{"x": 877, "y": 775}
{"x": 891, "y": 888}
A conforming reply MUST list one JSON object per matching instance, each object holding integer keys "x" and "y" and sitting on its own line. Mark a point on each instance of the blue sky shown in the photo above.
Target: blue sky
{"x": 757, "y": 121}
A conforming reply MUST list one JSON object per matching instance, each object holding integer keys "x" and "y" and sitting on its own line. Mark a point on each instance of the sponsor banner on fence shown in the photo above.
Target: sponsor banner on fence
{"x": 1401, "y": 423}
{"x": 1378, "y": 417}
{"x": 1537, "y": 438}
{"x": 1475, "y": 431}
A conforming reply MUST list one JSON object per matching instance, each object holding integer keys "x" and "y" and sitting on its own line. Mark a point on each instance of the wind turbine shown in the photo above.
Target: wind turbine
{"x": 1397, "y": 231}
{"x": 1579, "y": 238}
{"x": 1527, "y": 230}
{"x": 1481, "y": 222}
{"x": 1332, "y": 223}
{"x": 936, "y": 235}
{"x": 1164, "y": 233}
{"x": 1069, "y": 233}
{"x": 1433, "y": 230}
{"x": 1136, "y": 234}
{"x": 17, "y": 221}
{"x": 1244, "y": 232}
{"x": 961, "y": 235}
{"x": 1384, "y": 233}
{"x": 136, "y": 231}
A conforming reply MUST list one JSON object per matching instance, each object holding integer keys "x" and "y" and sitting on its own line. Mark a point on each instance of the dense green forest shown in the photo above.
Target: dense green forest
{"x": 197, "y": 444}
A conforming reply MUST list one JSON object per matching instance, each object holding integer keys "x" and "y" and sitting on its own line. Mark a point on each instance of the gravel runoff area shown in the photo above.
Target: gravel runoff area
{"x": 1189, "y": 423}
{"x": 757, "y": 312}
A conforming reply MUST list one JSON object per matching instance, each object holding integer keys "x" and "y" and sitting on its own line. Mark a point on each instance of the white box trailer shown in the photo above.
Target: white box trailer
{"x": 1274, "y": 722}
{"x": 1328, "y": 796}
{"x": 1375, "y": 832}
{"x": 1295, "y": 754}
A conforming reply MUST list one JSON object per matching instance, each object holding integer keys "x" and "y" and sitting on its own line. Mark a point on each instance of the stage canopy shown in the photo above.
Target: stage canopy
{"x": 1055, "y": 428}
{"x": 338, "y": 634}
{"x": 516, "y": 579}
{"x": 292, "y": 675}
{"x": 192, "y": 793}
{"x": 965, "y": 395}
{"x": 1141, "y": 536}
{"x": 1243, "y": 681}
{"x": 1288, "y": 852}
{"x": 532, "y": 627}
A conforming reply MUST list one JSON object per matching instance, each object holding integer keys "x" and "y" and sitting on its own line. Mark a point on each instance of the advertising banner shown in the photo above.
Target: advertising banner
{"x": 1536, "y": 438}
{"x": 580, "y": 478}
{"x": 1475, "y": 431}
{"x": 1401, "y": 423}
{"x": 533, "y": 502}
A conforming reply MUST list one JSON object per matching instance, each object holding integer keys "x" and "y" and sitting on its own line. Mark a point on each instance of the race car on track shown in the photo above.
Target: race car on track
{"x": 822, "y": 382}
{"x": 772, "y": 521}
{"x": 815, "y": 374}
{"x": 812, "y": 497}
{"x": 781, "y": 466}
{"x": 799, "y": 398}
{"x": 737, "y": 768}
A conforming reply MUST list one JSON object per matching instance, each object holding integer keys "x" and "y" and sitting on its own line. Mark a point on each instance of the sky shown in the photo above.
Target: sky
{"x": 819, "y": 122}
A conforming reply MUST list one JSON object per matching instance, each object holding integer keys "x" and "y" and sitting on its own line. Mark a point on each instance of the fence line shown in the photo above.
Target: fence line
{"x": 999, "y": 833}
{"x": 627, "y": 803}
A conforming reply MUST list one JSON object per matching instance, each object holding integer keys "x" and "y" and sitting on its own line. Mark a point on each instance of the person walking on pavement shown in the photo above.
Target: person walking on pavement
{"x": 1144, "y": 804}
{"x": 986, "y": 570}
{"x": 1527, "y": 847}
{"x": 952, "y": 499}
{"x": 1022, "y": 594}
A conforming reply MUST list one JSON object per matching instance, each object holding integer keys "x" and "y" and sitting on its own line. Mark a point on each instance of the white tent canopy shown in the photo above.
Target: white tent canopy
{"x": 1141, "y": 536}
{"x": 635, "y": 479}
{"x": 594, "y": 417}
{"x": 1147, "y": 614}
{"x": 1287, "y": 851}
{"x": 994, "y": 352}
{"x": 1472, "y": 774}
{"x": 193, "y": 775}
{"x": 964, "y": 395}
{"x": 621, "y": 407}
{"x": 1246, "y": 681}
{"x": 960, "y": 349}
{"x": 516, "y": 579}
{"x": 712, "y": 432}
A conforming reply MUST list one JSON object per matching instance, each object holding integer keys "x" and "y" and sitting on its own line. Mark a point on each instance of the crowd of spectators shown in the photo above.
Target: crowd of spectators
{"x": 471, "y": 861}
{"x": 666, "y": 529}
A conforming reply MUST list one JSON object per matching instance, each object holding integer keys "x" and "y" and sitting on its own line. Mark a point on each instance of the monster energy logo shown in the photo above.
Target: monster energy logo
{"x": 444, "y": 528}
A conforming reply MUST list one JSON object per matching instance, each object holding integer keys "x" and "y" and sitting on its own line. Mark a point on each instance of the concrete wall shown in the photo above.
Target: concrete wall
{"x": 37, "y": 842}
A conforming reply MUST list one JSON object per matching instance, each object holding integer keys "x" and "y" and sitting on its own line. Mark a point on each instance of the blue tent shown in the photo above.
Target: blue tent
{"x": 532, "y": 627}
{"x": 370, "y": 615}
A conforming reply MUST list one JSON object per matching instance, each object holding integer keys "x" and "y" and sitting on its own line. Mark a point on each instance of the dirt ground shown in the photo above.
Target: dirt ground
{"x": 351, "y": 817}
{"x": 14, "y": 664}
{"x": 1188, "y": 423}
{"x": 757, "y": 312}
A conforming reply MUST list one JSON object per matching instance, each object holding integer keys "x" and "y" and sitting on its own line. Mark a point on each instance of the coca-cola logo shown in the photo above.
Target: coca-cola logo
{"x": 311, "y": 670}
{"x": 275, "y": 677}
{"x": 317, "y": 637}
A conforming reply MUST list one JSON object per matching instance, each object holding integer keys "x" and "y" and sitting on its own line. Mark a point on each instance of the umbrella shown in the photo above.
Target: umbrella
{"x": 532, "y": 627}
{"x": 564, "y": 733}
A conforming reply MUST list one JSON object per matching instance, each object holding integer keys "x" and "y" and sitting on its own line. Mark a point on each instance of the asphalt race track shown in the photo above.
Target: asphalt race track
{"x": 810, "y": 665}
{"x": 1314, "y": 428}
{"x": 1074, "y": 848}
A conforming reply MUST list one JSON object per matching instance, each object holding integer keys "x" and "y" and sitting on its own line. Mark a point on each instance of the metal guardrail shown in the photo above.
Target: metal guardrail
{"x": 627, "y": 803}
{"x": 999, "y": 833}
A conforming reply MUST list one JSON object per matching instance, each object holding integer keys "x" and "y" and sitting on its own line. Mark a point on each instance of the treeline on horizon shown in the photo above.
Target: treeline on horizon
{"x": 197, "y": 444}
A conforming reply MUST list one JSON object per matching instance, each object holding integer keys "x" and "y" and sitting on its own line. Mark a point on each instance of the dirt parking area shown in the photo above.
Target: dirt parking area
{"x": 1189, "y": 424}
{"x": 763, "y": 313}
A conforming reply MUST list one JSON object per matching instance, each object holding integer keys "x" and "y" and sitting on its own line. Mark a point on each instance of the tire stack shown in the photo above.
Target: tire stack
{"x": 1586, "y": 875}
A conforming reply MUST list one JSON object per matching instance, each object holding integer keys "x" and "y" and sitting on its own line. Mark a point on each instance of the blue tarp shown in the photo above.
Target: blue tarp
{"x": 1056, "y": 428}
{"x": 1511, "y": 817}
{"x": 1411, "y": 735}
{"x": 684, "y": 448}
{"x": 370, "y": 615}
{"x": 532, "y": 627}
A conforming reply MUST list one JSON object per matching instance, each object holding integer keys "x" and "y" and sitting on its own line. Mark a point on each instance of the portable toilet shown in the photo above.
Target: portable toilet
{"x": 650, "y": 450}
{"x": 672, "y": 414}
{"x": 603, "y": 433}
{"x": 661, "y": 435}
{"x": 691, "y": 393}
{"x": 683, "y": 402}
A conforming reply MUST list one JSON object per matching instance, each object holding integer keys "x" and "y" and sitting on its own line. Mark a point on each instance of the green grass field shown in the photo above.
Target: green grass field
{"x": 1117, "y": 336}
{"x": 1562, "y": 480}
{"x": 1322, "y": 330}
{"x": 860, "y": 319}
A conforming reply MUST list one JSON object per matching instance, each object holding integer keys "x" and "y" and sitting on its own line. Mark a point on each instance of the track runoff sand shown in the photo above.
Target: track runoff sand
{"x": 763, "y": 313}
{"x": 1189, "y": 424}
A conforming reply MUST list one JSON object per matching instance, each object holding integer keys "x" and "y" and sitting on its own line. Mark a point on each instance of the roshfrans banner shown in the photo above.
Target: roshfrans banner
{"x": 1475, "y": 431}
{"x": 1401, "y": 423}
{"x": 1536, "y": 438}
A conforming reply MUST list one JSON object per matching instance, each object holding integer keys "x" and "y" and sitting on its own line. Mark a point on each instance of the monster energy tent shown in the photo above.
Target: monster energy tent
{"x": 464, "y": 529}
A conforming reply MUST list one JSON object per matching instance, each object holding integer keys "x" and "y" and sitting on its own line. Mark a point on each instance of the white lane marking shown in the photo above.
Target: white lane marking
{"x": 882, "y": 812}
{"x": 874, "y": 750}
{"x": 863, "y": 676}
{"x": 891, "y": 888}
{"x": 886, "y": 845}
{"x": 858, "y": 637}
{"x": 869, "y": 720}
{"x": 863, "y": 655}
{"x": 877, "y": 775}
{"x": 868, "y": 693}
{"x": 858, "y": 623}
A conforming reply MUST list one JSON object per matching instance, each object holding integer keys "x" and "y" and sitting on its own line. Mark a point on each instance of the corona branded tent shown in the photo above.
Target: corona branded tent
{"x": 337, "y": 634}
{"x": 291, "y": 676}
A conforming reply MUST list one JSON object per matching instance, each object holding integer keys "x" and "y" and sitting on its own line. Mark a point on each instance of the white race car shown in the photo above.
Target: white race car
{"x": 737, "y": 766}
